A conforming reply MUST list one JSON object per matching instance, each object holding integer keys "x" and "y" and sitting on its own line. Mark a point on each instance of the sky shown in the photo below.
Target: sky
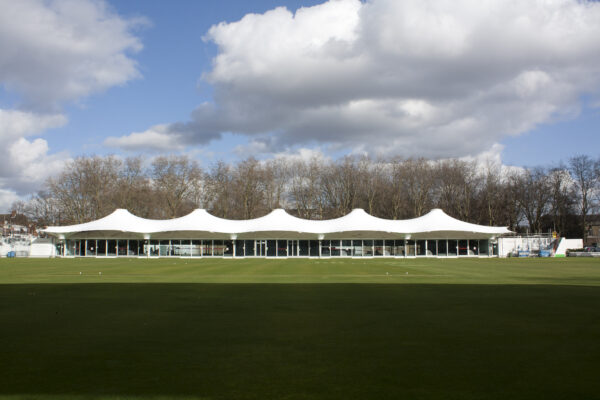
{"x": 517, "y": 82}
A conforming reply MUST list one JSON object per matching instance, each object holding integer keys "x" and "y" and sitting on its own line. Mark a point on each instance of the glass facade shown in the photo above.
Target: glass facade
{"x": 410, "y": 248}
{"x": 278, "y": 248}
{"x": 421, "y": 248}
{"x": 218, "y": 248}
{"x": 442, "y": 247}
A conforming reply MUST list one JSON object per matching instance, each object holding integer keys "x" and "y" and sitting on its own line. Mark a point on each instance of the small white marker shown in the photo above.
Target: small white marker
{"x": 99, "y": 273}
{"x": 407, "y": 273}
{"x": 79, "y": 272}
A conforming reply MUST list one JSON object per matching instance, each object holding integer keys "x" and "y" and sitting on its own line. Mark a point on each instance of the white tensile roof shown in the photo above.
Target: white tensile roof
{"x": 277, "y": 224}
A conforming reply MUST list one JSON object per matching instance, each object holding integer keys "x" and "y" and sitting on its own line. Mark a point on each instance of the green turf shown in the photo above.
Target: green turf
{"x": 300, "y": 329}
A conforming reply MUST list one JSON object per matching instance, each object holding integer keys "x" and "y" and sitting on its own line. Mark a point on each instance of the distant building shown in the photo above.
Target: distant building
{"x": 593, "y": 231}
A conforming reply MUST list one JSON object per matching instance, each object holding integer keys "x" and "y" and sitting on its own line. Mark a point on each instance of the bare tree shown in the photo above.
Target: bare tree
{"x": 491, "y": 195}
{"x": 86, "y": 188}
{"x": 248, "y": 184}
{"x": 370, "y": 176}
{"x": 274, "y": 179}
{"x": 220, "y": 190}
{"x": 134, "y": 192}
{"x": 562, "y": 199}
{"x": 305, "y": 191}
{"x": 398, "y": 198}
{"x": 42, "y": 209}
{"x": 533, "y": 192}
{"x": 91, "y": 187}
{"x": 457, "y": 185}
{"x": 176, "y": 179}
{"x": 339, "y": 185}
{"x": 584, "y": 172}
{"x": 418, "y": 182}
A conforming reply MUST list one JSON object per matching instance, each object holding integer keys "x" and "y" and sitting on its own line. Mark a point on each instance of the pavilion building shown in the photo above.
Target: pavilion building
{"x": 276, "y": 235}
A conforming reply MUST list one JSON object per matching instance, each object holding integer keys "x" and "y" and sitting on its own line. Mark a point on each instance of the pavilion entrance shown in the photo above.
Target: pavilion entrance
{"x": 261, "y": 248}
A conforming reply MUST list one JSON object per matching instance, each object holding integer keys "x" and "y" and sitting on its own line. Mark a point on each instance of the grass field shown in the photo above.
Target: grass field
{"x": 300, "y": 329}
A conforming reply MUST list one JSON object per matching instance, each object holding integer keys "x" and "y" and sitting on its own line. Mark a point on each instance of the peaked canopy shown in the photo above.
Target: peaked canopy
{"x": 277, "y": 224}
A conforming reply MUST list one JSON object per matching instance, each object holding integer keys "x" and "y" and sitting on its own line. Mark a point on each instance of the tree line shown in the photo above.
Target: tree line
{"x": 538, "y": 199}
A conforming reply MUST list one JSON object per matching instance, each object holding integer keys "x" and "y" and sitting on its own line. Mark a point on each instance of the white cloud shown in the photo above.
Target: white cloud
{"x": 7, "y": 197}
{"x": 411, "y": 77}
{"x": 255, "y": 147}
{"x": 52, "y": 52}
{"x": 25, "y": 164}
{"x": 302, "y": 154}
{"x": 493, "y": 156}
{"x": 15, "y": 124}
{"x": 156, "y": 138}
{"x": 32, "y": 164}
{"x": 62, "y": 50}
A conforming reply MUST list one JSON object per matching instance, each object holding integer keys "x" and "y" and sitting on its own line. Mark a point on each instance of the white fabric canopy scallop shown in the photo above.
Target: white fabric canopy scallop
{"x": 355, "y": 224}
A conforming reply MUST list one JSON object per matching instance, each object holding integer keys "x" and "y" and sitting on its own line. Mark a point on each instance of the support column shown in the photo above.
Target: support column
{"x": 320, "y": 244}
{"x": 233, "y": 241}
{"x": 147, "y": 239}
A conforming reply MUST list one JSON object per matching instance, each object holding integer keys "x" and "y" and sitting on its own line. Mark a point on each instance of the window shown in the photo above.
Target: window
{"x": 228, "y": 248}
{"x": 132, "y": 247}
{"x": 357, "y": 248}
{"x": 184, "y": 248}
{"x": 239, "y": 248}
{"x": 122, "y": 247}
{"x": 282, "y": 248}
{"x": 453, "y": 248}
{"x": 368, "y": 248}
{"x": 410, "y": 248}
{"x": 207, "y": 248}
{"x": 314, "y": 248}
{"x": 484, "y": 245}
{"x": 196, "y": 249}
{"x": 473, "y": 247}
{"x": 335, "y": 248}
{"x": 304, "y": 248}
{"x": 325, "y": 248}
{"x": 271, "y": 248}
{"x": 249, "y": 248}
{"x": 218, "y": 248}
{"x": 378, "y": 249}
{"x": 164, "y": 248}
{"x": 432, "y": 248}
{"x": 399, "y": 248}
{"x": 101, "y": 248}
{"x": 90, "y": 249}
{"x": 442, "y": 247}
{"x": 463, "y": 247}
{"x": 388, "y": 248}
{"x": 346, "y": 248}
{"x": 421, "y": 248}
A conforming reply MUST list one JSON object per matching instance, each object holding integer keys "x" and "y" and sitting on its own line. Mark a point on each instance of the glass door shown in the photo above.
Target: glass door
{"x": 271, "y": 248}
{"x": 261, "y": 248}
{"x": 292, "y": 248}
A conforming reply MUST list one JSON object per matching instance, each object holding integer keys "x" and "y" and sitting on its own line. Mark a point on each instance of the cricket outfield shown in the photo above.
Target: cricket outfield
{"x": 299, "y": 329}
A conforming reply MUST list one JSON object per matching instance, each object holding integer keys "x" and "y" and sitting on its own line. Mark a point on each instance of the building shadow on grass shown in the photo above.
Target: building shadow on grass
{"x": 262, "y": 341}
